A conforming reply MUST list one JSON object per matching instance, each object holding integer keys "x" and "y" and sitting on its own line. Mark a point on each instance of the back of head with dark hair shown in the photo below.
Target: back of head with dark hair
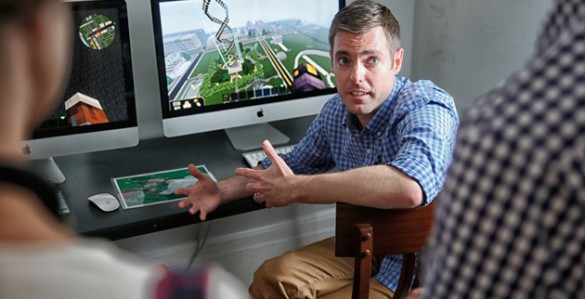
{"x": 14, "y": 9}
{"x": 363, "y": 15}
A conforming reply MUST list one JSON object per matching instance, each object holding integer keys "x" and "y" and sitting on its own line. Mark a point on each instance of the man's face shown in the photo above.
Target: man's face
{"x": 364, "y": 69}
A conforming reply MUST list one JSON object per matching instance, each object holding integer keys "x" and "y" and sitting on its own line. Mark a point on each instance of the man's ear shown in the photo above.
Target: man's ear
{"x": 397, "y": 61}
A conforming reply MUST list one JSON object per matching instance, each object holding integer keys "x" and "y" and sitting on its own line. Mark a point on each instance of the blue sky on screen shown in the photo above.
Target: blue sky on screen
{"x": 179, "y": 16}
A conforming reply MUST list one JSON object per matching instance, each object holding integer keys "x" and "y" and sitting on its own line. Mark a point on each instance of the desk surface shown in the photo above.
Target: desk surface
{"x": 91, "y": 173}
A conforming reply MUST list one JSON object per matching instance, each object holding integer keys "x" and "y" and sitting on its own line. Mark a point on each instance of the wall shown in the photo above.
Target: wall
{"x": 239, "y": 243}
{"x": 469, "y": 46}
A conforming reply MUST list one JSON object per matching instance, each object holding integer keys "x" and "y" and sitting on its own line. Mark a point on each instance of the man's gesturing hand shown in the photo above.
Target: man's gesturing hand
{"x": 274, "y": 185}
{"x": 203, "y": 197}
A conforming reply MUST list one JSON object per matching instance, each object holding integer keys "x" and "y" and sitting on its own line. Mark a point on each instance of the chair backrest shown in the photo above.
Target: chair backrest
{"x": 363, "y": 232}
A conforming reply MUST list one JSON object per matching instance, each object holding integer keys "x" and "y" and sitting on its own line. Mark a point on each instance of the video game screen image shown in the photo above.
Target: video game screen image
{"x": 232, "y": 51}
{"x": 99, "y": 92}
{"x": 156, "y": 187}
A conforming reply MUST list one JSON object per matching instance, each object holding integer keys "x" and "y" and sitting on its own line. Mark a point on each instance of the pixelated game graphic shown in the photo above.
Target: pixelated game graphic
{"x": 97, "y": 32}
{"x": 225, "y": 51}
{"x": 97, "y": 82}
{"x": 83, "y": 110}
{"x": 231, "y": 55}
{"x": 154, "y": 188}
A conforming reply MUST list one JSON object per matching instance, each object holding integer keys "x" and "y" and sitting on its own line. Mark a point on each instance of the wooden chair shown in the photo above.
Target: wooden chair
{"x": 362, "y": 233}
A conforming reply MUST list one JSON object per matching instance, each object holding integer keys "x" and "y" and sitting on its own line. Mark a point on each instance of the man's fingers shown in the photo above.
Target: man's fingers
{"x": 248, "y": 172}
{"x": 253, "y": 187}
{"x": 193, "y": 210}
{"x": 273, "y": 155}
{"x": 184, "y": 203}
{"x": 269, "y": 151}
{"x": 183, "y": 191}
{"x": 196, "y": 172}
{"x": 202, "y": 215}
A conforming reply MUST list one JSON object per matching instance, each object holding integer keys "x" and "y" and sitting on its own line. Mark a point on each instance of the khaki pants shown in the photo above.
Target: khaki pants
{"x": 310, "y": 272}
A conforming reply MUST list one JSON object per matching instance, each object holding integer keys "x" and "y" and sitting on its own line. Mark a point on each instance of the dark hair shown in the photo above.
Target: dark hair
{"x": 45, "y": 193}
{"x": 11, "y": 10}
{"x": 363, "y": 15}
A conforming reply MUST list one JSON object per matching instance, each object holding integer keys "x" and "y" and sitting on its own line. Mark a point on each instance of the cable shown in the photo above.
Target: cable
{"x": 200, "y": 243}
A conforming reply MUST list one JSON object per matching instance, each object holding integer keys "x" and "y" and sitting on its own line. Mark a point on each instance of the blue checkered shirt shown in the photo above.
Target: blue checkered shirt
{"x": 414, "y": 131}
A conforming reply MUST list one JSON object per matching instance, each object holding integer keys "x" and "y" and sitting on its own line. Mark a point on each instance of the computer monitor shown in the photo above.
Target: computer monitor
{"x": 97, "y": 111}
{"x": 237, "y": 65}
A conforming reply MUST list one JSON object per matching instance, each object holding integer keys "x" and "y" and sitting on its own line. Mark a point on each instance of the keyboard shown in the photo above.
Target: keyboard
{"x": 255, "y": 157}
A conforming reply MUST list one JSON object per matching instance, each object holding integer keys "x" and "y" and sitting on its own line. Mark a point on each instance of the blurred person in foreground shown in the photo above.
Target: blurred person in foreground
{"x": 511, "y": 220}
{"x": 39, "y": 256}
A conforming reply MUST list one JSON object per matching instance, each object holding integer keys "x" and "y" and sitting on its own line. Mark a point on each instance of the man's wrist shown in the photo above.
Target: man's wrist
{"x": 303, "y": 188}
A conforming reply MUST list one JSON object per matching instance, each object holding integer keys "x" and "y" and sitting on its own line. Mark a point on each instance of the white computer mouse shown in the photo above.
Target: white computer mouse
{"x": 105, "y": 201}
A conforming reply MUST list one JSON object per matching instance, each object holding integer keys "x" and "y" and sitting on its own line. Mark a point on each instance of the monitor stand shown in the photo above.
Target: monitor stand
{"x": 247, "y": 138}
{"x": 48, "y": 170}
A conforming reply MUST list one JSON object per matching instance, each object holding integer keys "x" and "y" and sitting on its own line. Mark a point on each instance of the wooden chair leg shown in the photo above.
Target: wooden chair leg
{"x": 398, "y": 231}
{"x": 406, "y": 275}
{"x": 363, "y": 263}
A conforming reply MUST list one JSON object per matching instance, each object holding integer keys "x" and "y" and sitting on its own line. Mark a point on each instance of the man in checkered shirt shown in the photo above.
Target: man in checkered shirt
{"x": 391, "y": 140}
{"x": 511, "y": 219}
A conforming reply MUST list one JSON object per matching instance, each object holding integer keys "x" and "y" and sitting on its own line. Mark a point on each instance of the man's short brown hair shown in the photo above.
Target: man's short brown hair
{"x": 363, "y": 15}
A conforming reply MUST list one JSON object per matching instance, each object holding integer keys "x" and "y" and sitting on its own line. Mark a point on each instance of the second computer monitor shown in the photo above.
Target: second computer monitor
{"x": 232, "y": 64}
{"x": 97, "y": 111}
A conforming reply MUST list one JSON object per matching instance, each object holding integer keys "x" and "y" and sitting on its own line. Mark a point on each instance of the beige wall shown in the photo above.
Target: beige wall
{"x": 469, "y": 46}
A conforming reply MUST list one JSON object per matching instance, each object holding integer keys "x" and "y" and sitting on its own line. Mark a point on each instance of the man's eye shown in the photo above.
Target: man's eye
{"x": 374, "y": 60}
{"x": 342, "y": 60}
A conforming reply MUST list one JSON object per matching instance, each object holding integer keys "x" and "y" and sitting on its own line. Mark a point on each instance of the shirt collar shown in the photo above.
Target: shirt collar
{"x": 380, "y": 119}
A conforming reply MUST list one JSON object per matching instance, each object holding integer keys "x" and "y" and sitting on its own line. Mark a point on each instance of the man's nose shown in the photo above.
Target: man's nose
{"x": 357, "y": 73}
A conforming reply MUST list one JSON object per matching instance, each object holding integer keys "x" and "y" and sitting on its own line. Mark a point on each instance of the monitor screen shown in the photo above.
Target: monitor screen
{"x": 97, "y": 111}
{"x": 232, "y": 63}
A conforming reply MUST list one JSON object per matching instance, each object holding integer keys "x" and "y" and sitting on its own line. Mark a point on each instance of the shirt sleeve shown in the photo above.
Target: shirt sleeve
{"x": 427, "y": 141}
{"x": 312, "y": 154}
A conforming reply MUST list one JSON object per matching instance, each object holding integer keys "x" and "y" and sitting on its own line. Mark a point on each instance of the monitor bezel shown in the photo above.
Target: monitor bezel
{"x": 124, "y": 32}
{"x": 172, "y": 119}
{"x": 56, "y": 142}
